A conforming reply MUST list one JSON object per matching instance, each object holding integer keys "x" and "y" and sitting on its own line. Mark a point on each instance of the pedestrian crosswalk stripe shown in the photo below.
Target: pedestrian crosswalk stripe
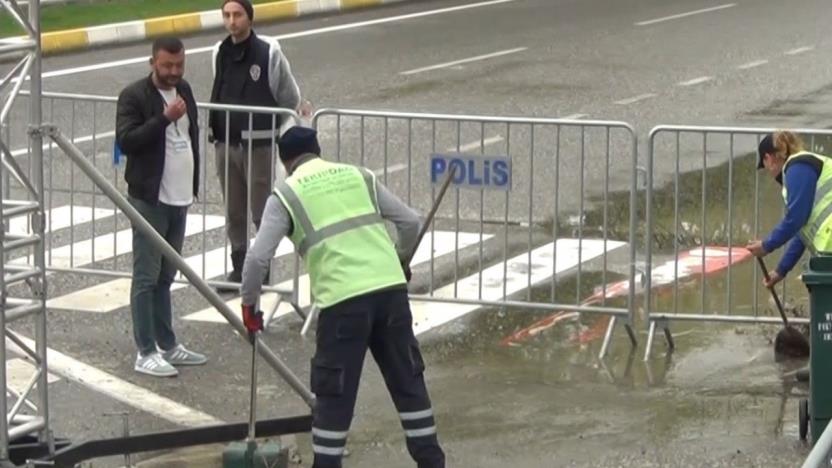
{"x": 112, "y": 245}
{"x": 20, "y": 372}
{"x": 61, "y": 217}
{"x": 112, "y": 295}
{"x": 429, "y": 315}
{"x": 444, "y": 242}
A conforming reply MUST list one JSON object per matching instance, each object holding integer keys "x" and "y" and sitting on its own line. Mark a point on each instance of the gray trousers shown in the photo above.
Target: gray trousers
{"x": 246, "y": 185}
{"x": 153, "y": 275}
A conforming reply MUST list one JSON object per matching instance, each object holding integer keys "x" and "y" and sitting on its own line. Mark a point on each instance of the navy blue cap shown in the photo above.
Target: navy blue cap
{"x": 298, "y": 141}
{"x": 766, "y": 146}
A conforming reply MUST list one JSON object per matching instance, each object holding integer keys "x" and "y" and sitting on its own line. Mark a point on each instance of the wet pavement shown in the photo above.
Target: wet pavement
{"x": 719, "y": 400}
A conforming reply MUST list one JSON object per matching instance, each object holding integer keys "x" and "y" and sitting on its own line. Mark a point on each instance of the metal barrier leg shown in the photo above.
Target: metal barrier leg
{"x": 270, "y": 315}
{"x": 313, "y": 315}
{"x": 669, "y": 337}
{"x": 650, "y": 334}
{"x": 632, "y": 334}
{"x": 607, "y": 338}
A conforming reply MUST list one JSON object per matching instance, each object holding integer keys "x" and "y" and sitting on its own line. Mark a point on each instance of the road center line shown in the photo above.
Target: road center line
{"x": 684, "y": 15}
{"x": 311, "y": 32}
{"x": 696, "y": 81}
{"x": 799, "y": 50}
{"x": 754, "y": 64}
{"x": 463, "y": 61}
{"x": 635, "y": 99}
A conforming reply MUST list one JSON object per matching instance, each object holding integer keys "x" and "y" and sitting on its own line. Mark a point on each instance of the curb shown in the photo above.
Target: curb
{"x": 73, "y": 40}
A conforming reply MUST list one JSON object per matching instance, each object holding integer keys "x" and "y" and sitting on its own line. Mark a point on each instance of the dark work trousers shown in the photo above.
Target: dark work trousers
{"x": 382, "y": 322}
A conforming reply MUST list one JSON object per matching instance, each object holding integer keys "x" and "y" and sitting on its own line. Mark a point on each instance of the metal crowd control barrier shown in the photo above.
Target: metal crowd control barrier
{"x": 707, "y": 166}
{"x": 172, "y": 256}
{"x": 571, "y": 178}
{"x": 85, "y": 212}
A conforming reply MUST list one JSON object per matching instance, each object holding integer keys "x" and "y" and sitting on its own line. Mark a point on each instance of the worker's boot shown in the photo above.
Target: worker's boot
{"x": 236, "y": 275}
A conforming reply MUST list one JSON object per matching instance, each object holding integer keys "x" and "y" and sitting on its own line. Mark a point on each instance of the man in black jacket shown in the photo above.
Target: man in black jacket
{"x": 156, "y": 127}
{"x": 249, "y": 70}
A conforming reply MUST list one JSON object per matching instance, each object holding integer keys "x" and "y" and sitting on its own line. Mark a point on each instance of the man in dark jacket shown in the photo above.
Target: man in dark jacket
{"x": 156, "y": 128}
{"x": 249, "y": 70}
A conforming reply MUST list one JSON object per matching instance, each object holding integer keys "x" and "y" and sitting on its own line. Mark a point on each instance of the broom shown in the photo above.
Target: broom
{"x": 789, "y": 342}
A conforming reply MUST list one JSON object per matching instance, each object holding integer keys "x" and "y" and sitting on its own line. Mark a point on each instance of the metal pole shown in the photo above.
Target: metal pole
{"x": 39, "y": 286}
{"x": 819, "y": 456}
{"x": 172, "y": 256}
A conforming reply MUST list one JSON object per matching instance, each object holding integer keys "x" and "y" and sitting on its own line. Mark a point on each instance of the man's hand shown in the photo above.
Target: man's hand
{"x": 252, "y": 319}
{"x": 773, "y": 278}
{"x": 176, "y": 110}
{"x": 305, "y": 109}
{"x": 756, "y": 249}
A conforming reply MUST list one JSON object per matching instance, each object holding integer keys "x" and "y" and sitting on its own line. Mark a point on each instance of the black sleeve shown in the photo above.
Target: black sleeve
{"x": 133, "y": 133}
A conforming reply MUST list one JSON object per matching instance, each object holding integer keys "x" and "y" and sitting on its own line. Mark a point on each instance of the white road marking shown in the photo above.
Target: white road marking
{"x": 81, "y": 253}
{"x": 754, "y": 64}
{"x": 311, "y": 32}
{"x": 573, "y": 117}
{"x": 392, "y": 169}
{"x": 61, "y": 217}
{"x": 83, "y": 139}
{"x": 119, "y": 390}
{"x": 19, "y": 372}
{"x": 428, "y": 315}
{"x": 475, "y": 145}
{"x": 466, "y": 147}
{"x": 696, "y": 81}
{"x": 443, "y": 243}
{"x": 684, "y": 15}
{"x": 800, "y": 50}
{"x": 112, "y": 295}
{"x": 464, "y": 61}
{"x": 635, "y": 99}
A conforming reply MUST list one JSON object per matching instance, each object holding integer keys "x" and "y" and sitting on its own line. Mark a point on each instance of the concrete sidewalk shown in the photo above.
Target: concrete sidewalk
{"x": 189, "y": 23}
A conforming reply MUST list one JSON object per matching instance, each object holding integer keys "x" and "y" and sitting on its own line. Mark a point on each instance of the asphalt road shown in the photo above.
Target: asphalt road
{"x": 646, "y": 63}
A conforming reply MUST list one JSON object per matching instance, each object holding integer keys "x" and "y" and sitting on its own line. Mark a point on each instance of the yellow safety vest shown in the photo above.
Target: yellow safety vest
{"x": 817, "y": 232}
{"x": 339, "y": 231}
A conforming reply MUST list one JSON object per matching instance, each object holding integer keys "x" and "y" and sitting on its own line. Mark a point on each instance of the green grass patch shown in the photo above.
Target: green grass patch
{"x": 60, "y": 17}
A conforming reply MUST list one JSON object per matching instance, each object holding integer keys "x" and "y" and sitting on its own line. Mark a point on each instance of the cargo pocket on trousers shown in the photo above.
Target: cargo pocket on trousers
{"x": 327, "y": 378}
{"x": 416, "y": 362}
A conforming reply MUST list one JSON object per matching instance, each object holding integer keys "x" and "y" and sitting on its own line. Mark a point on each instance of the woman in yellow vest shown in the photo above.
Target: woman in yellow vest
{"x": 806, "y": 179}
{"x": 334, "y": 214}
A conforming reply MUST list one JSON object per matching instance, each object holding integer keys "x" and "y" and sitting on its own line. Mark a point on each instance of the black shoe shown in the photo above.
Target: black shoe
{"x": 234, "y": 277}
{"x": 238, "y": 257}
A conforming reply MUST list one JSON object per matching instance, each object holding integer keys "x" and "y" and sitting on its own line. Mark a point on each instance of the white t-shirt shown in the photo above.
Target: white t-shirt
{"x": 177, "y": 187}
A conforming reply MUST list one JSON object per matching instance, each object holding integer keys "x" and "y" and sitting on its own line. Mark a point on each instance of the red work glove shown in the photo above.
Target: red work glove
{"x": 252, "y": 319}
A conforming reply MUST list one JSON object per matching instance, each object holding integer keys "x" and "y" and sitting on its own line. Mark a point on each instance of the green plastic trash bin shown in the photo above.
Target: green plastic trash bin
{"x": 818, "y": 410}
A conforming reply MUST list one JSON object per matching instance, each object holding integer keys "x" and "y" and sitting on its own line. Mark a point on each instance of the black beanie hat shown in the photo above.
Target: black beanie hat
{"x": 298, "y": 141}
{"x": 246, "y": 4}
{"x": 766, "y": 146}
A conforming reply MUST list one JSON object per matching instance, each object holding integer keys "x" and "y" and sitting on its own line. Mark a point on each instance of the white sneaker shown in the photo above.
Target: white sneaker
{"x": 182, "y": 356}
{"x": 154, "y": 364}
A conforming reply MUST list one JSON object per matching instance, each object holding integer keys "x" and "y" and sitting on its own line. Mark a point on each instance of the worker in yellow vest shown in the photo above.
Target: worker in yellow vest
{"x": 334, "y": 214}
{"x": 806, "y": 179}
